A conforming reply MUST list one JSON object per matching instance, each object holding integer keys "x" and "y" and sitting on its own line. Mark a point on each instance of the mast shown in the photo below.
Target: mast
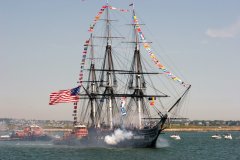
{"x": 108, "y": 77}
{"x": 93, "y": 83}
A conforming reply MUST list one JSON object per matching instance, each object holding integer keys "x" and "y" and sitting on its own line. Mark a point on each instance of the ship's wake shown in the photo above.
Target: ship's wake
{"x": 162, "y": 143}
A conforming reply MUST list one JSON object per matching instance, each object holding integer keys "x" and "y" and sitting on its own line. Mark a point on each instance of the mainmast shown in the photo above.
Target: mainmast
{"x": 108, "y": 69}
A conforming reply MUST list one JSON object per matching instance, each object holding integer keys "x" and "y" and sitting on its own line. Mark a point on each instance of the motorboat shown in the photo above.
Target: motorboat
{"x": 217, "y": 136}
{"x": 175, "y": 136}
{"x": 5, "y": 137}
{"x": 227, "y": 136}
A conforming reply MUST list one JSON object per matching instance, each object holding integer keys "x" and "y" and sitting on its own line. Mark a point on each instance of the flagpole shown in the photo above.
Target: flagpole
{"x": 133, "y": 4}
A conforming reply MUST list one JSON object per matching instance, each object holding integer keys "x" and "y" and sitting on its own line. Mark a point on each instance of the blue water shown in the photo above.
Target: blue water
{"x": 192, "y": 146}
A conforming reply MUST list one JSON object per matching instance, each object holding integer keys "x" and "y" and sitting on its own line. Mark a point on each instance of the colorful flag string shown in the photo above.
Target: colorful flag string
{"x": 121, "y": 10}
{"x": 97, "y": 17}
{"x": 146, "y": 45}
{"x": 99, "y": 14}
{"x": 84, "y": 55}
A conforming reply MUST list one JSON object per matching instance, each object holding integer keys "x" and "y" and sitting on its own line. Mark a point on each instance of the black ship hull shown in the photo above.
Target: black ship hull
{"x": 138, "y": 138}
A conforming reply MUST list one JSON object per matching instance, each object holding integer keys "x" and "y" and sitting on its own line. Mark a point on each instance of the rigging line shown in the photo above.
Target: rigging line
{"x": 100, "y": 62}
{"x": 80, "y": 113}
{"x": 162, "y": 82}
{"x": 115, "y": 106}
{"x": 183, "y": 104}
{"x": 175, "y": 69}
{"x": 146, "y": 107}
{"x": 126, "y": 56}
{"x": 106, "y": 110}
{"x": 116, "y": 57}
{"x": 132, "y": 100}
{"x": 179, "y": 99}
{"x": 104, "y": 113}
{"x": 157, "y": 110}
{"x": 152, "y": 84}
{"x": 156, "y": 93}
{"x": 129, "y": 106}
{"x": 96, "y": 114}
{"x": 129, "y": 55}
{"x": 188, "y": 97}
{"x": 176, "y": 114}
{"x": 100, "y": 109}
{"x": 123, "y": 87}
{"x": 116, "y": 30}
{"x": 120, "y": 63}
{"x": 117, "y": 45}
{"x": 120, "y": 55}
{"x": 119, "y": 58}
{"x": 124, "y": 15}
{"x": 163, "y": 68}
{"x": 84, "y": 113}
{"x": 101, "y": 102}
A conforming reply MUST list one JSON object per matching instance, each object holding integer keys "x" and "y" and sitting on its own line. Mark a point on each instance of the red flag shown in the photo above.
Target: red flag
{"x": 64, "y": 96}
{"x": 152, "y": 103}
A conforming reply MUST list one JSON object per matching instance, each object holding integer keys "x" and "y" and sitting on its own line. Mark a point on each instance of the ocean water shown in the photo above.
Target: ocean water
{"x": 192, "y": 146}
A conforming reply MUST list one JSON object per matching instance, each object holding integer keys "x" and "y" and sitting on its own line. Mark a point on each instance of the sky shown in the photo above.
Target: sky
{"x": 41, "y": 43}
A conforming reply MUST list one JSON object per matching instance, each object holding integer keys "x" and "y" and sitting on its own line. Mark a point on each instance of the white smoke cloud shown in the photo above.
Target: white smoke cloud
{"x": 118, "y": 136}
{"x": 228, "y": 32}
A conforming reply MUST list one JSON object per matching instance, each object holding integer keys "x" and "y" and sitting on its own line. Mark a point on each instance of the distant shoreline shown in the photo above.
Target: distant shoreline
{"x": 203, "y": 129}
{"x": 177, "y": 129}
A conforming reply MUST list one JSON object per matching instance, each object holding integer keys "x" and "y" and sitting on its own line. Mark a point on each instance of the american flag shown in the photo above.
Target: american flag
{"x": 64, "y": 96}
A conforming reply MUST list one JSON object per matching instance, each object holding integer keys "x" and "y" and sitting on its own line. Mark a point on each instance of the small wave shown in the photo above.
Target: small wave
{"x": 34, "y": 144}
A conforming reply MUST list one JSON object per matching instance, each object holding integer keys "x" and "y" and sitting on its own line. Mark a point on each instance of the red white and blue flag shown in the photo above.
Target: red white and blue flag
{"x": 65, "y": 96}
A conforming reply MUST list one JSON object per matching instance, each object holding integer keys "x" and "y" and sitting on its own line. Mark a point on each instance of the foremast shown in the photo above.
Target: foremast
{"x": 92, "y": 85}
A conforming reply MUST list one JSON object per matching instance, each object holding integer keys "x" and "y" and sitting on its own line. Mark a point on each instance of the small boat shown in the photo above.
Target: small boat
{"x": 5, "y": 137}
{"x": 57, "y": 137}
{"x": 30, "y": 133}
{"x": 72, "y": 138}
{"x": 175, "y": 136}
{"x": 217, "y": 136}
{"x": 227, "y": 136}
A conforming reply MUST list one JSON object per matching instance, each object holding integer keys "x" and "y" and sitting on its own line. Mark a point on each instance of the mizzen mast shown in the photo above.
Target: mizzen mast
{"x": 136, "y": 67}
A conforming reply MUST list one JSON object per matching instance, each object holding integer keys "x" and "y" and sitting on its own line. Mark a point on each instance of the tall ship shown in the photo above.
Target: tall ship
{"x": 121, "y": 98}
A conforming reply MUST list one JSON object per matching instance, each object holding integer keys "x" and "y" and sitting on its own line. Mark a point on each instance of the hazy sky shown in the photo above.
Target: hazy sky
{"x": 41, "y": 43}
